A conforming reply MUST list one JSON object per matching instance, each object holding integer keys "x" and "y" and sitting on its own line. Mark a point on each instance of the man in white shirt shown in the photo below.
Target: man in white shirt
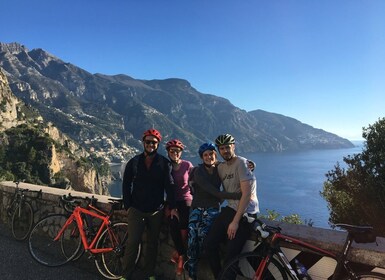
{"x": 231, "y": 226}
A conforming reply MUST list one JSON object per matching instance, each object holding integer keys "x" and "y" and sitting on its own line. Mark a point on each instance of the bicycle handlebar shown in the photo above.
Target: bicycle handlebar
{"x": 69, "y": 202}
{"x": 258, "y": 226}
{"x": 73, "y": 199}
{"x": 22, "y": 191}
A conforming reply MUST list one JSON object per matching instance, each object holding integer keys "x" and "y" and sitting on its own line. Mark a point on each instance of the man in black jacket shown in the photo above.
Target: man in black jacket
{"x": 147, "y": 177}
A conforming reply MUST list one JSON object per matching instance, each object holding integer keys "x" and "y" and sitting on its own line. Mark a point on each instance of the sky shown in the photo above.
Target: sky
{"x": 321, "y": 62}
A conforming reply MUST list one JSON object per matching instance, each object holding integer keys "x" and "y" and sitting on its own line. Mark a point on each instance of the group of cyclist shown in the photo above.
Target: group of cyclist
{"x": 197, "y": 223}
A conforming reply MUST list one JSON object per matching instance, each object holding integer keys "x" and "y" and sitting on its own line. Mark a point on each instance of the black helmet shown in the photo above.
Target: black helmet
{"x": 224, "y": 139}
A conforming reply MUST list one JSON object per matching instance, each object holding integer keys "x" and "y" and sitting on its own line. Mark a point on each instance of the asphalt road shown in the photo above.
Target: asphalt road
{"x": 17, "y": 264}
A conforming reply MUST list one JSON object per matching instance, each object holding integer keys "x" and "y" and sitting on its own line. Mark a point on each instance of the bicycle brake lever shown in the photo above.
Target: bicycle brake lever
{"x": 264, "y": 234}
{"x": 260, "y": 226}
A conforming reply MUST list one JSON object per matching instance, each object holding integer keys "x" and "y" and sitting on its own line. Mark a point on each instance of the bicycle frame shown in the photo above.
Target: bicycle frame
{"x": 275, "y": 249}
{"x": 76, "y": 215}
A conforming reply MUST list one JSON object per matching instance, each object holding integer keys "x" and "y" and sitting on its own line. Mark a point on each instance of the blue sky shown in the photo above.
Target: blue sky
{"x": 321, "y": 62}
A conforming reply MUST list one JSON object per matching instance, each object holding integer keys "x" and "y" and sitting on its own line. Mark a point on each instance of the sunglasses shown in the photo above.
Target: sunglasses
{"x": 174, "y": 151}
{"x": 150, "y": 142}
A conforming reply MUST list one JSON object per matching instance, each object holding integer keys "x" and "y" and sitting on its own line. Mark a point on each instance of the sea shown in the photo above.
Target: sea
{"x": 290, "y": 182}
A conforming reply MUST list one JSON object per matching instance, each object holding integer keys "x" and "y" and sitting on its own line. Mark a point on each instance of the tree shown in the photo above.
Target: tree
{"x": 356, "y": 193}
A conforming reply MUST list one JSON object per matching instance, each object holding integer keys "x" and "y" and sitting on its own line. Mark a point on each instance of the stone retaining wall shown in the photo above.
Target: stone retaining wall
{"x": 372, "y": 255}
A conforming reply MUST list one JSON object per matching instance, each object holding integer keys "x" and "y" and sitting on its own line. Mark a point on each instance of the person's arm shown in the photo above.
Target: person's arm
{"x": 250, "y": 165}
{"x": 127, "y": 184}
{"x": 170, "y": 190}
{"x": 205, "y": 184}
{"x": 242, "y": 206}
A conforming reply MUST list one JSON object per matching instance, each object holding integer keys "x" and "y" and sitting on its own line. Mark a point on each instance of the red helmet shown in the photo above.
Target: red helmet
{"x": 174, "y": 143}
{"x": 152, "y": 132}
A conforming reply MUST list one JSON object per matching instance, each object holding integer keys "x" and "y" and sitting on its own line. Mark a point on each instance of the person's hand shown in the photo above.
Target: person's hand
{"x": 232, "y": 230}
{"x": 174, "y": 213}
{"x": 250, "y": 165}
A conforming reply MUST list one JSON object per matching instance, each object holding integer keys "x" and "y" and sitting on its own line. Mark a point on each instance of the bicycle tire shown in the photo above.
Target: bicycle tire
{"x": 243, "y": 267}
{"x": 367, "y": 276}
{"x": 11, "y": 208}
{"x": 22, "y": 220}
{"x": 48, "y": 252}
{"x": 110, "y": 264}
{"x": 68, "y": 251}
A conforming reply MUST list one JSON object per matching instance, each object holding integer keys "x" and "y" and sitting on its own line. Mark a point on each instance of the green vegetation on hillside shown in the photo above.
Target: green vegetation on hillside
{"x": 356, "y": 194}
{"x": 26, "y": 155}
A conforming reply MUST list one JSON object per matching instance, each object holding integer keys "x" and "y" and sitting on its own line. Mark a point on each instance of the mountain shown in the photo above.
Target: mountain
{"x": 36, "y": 152}
{"x": 108, "y": 114}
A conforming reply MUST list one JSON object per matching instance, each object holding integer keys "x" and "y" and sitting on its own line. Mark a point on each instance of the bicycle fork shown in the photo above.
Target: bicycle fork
{"x": 264, "y": 266}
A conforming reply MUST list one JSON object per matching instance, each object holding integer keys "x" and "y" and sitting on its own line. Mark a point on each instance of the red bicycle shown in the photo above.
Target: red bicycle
{"x": 60, "y": 238}
{"x": 269, "y": 262}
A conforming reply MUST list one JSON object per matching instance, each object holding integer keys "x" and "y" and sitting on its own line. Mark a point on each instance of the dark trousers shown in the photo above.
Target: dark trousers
{"x": 137, "y": 222}
{"x": 218, "y": 235}
{"x": 179, "y": 225}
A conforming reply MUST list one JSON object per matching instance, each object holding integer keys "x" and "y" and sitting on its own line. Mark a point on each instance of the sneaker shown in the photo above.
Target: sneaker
{"x": 179, "y": 268}
{"x": 174, "y": 257}
{"x": 151, "y": 278}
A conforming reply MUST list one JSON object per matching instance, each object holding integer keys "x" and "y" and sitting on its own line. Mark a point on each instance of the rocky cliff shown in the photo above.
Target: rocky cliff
{"x": 8, "y": 110}
{"x": 62, "y": 153}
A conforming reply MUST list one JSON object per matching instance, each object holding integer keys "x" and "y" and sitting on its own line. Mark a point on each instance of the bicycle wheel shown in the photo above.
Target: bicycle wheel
{"x": 243, "y": 267}
{"x": 45, "y": 250}
{"x": 110, "y": 264}
{"x": 12, "y": 207}
{"x": 367, "y": 276}
{"x": 22, "y": 220}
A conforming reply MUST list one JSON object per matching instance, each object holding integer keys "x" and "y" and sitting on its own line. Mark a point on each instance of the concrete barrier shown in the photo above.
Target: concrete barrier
{"x": 370, "y": 256}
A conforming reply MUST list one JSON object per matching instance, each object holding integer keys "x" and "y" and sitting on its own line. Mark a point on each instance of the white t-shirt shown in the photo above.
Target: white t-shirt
{"x": 232, "y": 175}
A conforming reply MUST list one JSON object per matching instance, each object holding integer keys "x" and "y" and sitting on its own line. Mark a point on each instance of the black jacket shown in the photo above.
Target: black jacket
{"x": 145, "y": 189}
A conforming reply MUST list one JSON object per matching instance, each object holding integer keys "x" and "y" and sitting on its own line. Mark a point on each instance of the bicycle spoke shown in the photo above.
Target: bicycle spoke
{"x": 45, "y": 250}
{"x": 110, "y": 264}
{"x": 22, "y": 220}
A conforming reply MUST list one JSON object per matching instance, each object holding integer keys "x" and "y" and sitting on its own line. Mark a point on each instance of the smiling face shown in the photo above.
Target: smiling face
{"x": 150, "y": 144}
{"x": 174, "y": 153}
{"x": 209, "y": 157}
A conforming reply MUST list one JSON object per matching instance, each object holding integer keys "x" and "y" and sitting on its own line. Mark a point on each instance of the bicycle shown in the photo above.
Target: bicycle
{"x": 60, "y": 238}
{"x": 21, "y": 213}
{"x": 269, "y": 262}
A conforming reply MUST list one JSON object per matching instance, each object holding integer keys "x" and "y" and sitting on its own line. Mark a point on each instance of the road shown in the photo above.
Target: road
{"x": 17, "y": 264}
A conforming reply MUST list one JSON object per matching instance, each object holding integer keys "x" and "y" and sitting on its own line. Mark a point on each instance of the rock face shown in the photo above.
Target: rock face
{"x": 14, "y": 113}
{"x": 108, "y": 114}
{"x": 8, "y": 112}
